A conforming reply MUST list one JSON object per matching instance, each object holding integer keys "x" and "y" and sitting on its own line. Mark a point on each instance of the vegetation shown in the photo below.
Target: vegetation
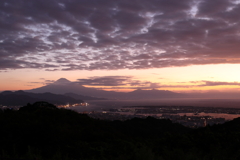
{"x": 43, "y": 131}
{"x": 22, "y": 98}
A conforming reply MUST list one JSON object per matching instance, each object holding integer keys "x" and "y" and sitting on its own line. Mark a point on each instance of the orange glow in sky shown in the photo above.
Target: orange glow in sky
{"x": 180, "y": 79}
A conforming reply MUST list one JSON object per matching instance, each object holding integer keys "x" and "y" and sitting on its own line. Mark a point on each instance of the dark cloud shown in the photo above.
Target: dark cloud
{"x": 119, "y": 34}
{"x": 112, "y": 81}
{"x": 119, "y": 82}
{"x": 213, "y": 8}
{"x": 217, "y": 83}
{"x": 129, "y": 82}
{"x": 42, "y": 81}
{"x": 51, "y": 69}
{"x": 186, "y": 84}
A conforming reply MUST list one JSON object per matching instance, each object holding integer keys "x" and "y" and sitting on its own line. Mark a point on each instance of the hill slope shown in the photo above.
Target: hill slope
{"x": 42, "y": 132}
{"x": 22, "y": 98}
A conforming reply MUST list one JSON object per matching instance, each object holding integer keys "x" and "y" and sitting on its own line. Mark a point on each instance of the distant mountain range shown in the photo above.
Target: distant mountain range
{"x": 77, "y": 91}
{"x": 153, "y": 94}
{"x": 66, "y": 87}
{"x": 64, "y": 91}
{"x": 22, "y": 98}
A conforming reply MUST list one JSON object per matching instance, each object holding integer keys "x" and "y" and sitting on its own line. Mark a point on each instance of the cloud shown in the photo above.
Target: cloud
{"x": 217, "y": 83}
{"x": 123, "y": 82}
{"x": 112, "y": 81}
{"x": 42, "y": 81}
{"x": 119, "y": 34}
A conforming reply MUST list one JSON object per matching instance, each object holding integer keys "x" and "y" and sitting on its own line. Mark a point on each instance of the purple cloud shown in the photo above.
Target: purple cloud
{"x": 119, "y": 34}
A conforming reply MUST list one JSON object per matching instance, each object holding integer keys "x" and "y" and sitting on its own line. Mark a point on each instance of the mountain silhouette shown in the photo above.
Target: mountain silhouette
{"x": 153, "y": 94}
{"x": 62, "y": 81}
{"x": 63, "y": 86}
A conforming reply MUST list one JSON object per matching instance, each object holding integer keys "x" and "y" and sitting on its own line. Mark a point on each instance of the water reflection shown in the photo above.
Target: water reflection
{"x": 214, "y": 115}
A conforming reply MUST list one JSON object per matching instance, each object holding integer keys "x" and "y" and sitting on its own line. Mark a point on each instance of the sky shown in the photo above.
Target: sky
{"x": 121, "y": 45}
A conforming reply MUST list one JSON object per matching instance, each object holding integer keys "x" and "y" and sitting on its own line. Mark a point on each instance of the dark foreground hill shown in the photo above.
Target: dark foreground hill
{"x": 21, "y": 98}
{"x": 42, "y": 131}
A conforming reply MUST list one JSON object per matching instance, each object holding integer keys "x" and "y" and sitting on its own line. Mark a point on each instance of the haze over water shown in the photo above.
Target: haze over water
{"x": 223, "y": 103}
